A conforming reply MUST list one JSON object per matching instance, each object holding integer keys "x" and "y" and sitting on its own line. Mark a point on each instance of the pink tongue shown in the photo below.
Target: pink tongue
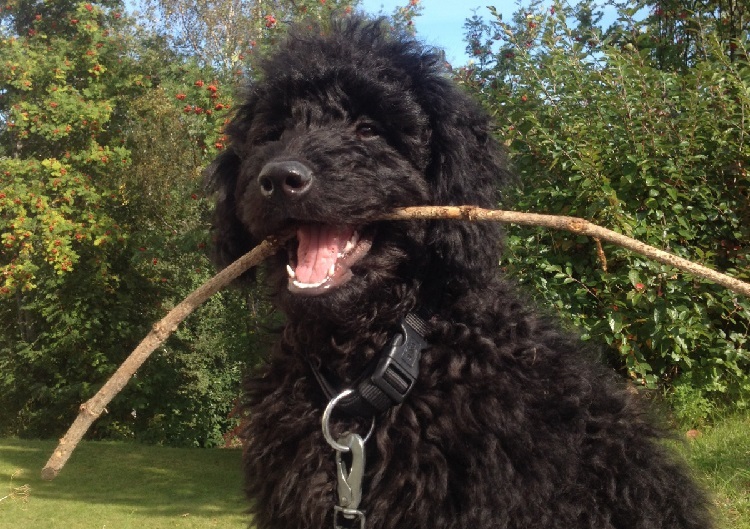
{"x": 319, "y": 246}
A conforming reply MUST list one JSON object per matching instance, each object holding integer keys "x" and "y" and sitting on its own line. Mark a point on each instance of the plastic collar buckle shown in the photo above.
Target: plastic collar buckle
{"x": 398, "y": 368}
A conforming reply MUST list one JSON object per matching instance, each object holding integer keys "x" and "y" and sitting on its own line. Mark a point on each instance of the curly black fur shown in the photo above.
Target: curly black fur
{"x": 511, "y": 424}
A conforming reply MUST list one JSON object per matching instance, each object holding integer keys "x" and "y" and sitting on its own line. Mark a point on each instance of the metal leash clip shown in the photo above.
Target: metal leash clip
{"x": 349, "y": 484}
{"x": 346, "y": 514}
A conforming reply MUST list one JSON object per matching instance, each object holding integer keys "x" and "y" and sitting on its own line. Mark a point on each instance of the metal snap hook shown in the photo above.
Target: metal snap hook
{"x": 327, "y": 418}
{"x": 349, "y": 480}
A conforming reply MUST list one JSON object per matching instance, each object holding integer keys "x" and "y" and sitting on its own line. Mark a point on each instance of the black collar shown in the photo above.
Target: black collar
{"x": 395, "y": 371}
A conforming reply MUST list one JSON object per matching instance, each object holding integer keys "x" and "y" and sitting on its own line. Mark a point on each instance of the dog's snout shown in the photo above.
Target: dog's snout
{"x": 285, "y": 179}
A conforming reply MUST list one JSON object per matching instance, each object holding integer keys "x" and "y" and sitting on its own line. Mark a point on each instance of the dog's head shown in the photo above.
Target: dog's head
{"x": 338, "y": 129}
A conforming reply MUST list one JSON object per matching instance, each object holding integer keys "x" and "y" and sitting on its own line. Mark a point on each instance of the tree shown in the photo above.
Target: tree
{"x": 103, "y": 222}
{"x": 184, "y": 395}
{"x": 679, "y": 34}
{"x": 58, "y": 116}
{"x": 65, "y": 79}
{"x": 227, "y": 34}
{"x": 598, "y": 129}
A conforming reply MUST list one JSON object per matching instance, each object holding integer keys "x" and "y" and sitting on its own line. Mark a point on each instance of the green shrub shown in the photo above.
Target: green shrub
{"x": 596, "y": 130}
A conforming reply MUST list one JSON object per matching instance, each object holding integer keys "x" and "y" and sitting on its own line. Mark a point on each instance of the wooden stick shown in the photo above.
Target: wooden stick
{"x": 93, "y": 408}
{"x": 574, "y": 225}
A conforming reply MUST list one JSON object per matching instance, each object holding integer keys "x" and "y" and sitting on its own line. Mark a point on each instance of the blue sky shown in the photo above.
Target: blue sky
{"x": 441, "y": 22}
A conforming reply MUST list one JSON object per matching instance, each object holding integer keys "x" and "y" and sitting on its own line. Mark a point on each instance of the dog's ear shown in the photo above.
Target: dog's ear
{"x": 230, "y": 239}
{"x": 468, "y": 167}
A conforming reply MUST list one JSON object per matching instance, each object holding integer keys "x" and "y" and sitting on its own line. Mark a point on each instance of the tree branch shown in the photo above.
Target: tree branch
{"x": 94, "y": 407}
{"x": 574, "y": 225}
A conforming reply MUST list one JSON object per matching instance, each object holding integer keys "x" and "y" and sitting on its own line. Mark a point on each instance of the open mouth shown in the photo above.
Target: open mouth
{"x": 324, "y": 256}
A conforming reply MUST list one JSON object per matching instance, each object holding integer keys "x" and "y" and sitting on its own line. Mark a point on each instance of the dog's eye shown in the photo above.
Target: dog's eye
{"x": 366, "y": 130}
{"x": 266, "y": 136}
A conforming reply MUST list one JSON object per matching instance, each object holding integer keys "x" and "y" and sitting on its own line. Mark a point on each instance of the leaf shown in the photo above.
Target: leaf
{"x": 615, "y": 322}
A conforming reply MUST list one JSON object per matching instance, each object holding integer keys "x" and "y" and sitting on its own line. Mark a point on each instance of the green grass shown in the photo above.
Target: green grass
{"x": 131, "y": 486}
{"x": 721, "y": 459}
{"x": 121, "y": 486}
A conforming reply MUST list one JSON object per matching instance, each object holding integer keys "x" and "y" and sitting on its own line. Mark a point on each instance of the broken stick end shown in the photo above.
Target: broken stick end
{"x": 49, "y": 473}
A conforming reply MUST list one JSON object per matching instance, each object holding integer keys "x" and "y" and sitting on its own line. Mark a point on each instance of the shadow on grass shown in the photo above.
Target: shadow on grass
{"x": 154, "y": 481}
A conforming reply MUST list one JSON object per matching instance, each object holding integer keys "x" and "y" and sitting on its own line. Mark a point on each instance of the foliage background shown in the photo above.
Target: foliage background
{"x": 107, "y": 120}
{"x": 641, "y": 129}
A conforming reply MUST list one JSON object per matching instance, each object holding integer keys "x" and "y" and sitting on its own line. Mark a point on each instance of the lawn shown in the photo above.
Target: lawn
{"x": 121, "y": 486}
{"x": 721, "y": 459}
{"x": 132, "y": 486}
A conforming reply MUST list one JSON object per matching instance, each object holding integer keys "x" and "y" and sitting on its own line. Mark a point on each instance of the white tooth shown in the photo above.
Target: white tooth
{"x": 350, "y": 244}
{"x": 332, "y": 270}
{"x": 290, "y": 271}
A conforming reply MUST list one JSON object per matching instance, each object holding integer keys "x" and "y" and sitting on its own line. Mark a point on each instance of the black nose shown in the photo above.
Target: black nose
{"x": 292, "y": 179}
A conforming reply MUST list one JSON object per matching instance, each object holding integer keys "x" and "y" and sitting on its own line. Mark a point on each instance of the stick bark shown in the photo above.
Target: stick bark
{"x": 94, "y": 407}
{"x": 574, "y": 225}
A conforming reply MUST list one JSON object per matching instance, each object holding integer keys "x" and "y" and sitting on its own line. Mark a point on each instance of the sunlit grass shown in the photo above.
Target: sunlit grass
{"x": 132, "y": 486}
{"x": 720, "y": 456}
{"x": 121, "y": 486}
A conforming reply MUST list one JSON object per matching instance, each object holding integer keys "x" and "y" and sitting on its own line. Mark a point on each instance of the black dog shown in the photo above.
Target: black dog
{"x": 504, "y": 421}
